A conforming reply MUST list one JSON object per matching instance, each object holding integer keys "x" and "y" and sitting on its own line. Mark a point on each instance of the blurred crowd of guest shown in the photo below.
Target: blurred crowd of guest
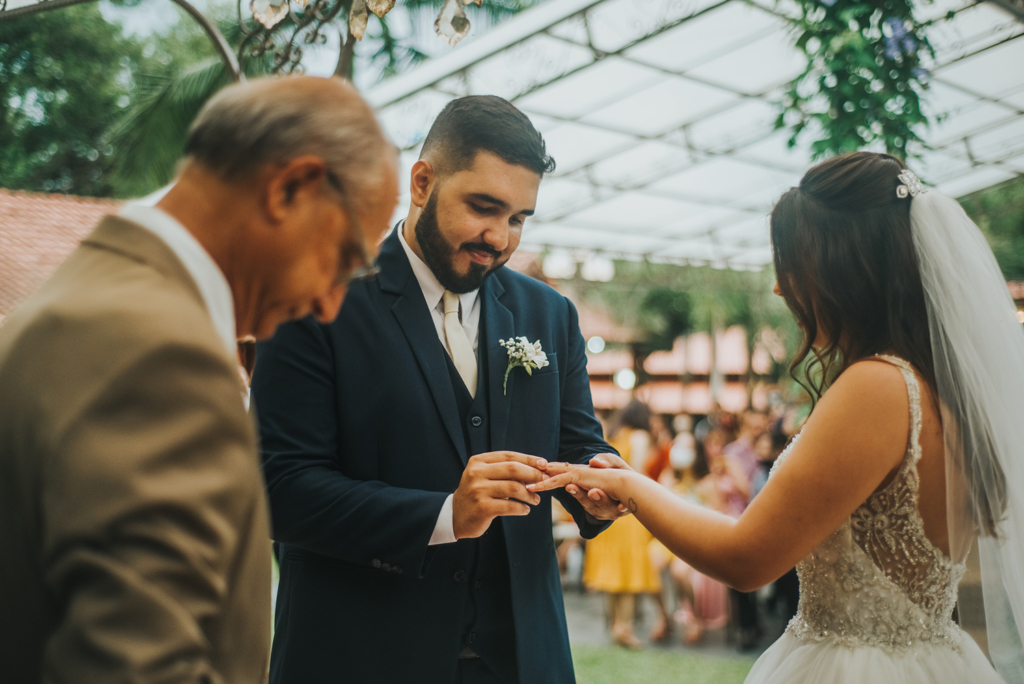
{"x": 721, "y": 461}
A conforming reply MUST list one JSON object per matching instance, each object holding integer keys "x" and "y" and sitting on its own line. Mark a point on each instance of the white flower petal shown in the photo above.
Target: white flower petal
{"x": 268, "y": 14}
{"x": 357, "y": 19}
{"x": 452, "y": 24}
{"x": 380, "y": 7}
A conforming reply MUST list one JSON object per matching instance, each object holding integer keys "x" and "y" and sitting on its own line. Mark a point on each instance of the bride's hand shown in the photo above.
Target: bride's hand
{"x": 603, "y": 461}
{"x": 609, "y": 479}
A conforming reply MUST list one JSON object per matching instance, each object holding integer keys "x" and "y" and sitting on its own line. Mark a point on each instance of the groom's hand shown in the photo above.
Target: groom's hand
{"x": 493, "y": 485}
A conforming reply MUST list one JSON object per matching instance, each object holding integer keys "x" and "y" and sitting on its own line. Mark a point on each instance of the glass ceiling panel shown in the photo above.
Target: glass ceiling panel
{"x": 602, "y": 83}
{"x": 722, "y": 181}
{"x": 976, "y": 179}
{"x": 525, "y": 66}
{"x": 936, "y": 167}
{"x": 1015, "y": 164}
{"x": 1016, "y": 101}
{"x": 640, "y": 164}
{"x": 408, "y": 121}
{"x": 1000, "y": 142}
{"x": 774, "y": 151}
{"x": 574, "y": 145}
{"x": 660, "y": 115}
{"x": 974, "y": 28}
{"x": 704, "y": 38}
{"x": 748, "y": 122}
{"x": 989, "y": 73}
{"x": 706, "y": 223}
{"x": 614, "y": 24}
{"x": 974, "y": 116}
{"x": 662, "y": 107}
{"x": 559, "y": 195}
{"x": 755, "y": 68}
{"x": 628, "y": 211}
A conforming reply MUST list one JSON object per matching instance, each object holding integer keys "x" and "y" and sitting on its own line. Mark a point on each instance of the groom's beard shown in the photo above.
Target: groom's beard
{"x": 439, "y": 254}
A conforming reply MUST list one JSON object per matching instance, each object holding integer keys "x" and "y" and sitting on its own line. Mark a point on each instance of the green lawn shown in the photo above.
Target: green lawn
{"x": 609, "y": 665}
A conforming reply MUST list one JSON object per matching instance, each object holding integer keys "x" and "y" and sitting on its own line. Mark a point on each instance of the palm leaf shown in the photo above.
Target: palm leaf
{"x": 151, "y": 135}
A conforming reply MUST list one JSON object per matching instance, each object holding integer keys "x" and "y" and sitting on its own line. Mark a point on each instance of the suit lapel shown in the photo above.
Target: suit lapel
{"x": 410, "y": 309}
{"x": 498, "y": 325}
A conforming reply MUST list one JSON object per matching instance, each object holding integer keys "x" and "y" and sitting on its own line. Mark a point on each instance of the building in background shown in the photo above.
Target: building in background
{"x": 37, "y": 232}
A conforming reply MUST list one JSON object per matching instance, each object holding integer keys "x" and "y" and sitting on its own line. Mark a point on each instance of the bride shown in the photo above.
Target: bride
{"x": 915, "y": 451}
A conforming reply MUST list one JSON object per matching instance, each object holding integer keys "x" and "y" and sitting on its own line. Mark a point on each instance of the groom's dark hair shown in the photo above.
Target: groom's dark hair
{"x": 487, "y": 123}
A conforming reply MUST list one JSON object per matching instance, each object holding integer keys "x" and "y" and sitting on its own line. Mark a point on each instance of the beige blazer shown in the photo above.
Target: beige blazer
{"x": 134, "y": 533}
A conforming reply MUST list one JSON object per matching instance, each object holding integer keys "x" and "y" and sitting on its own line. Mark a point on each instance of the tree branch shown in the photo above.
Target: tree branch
{"x": 346, "y": 58}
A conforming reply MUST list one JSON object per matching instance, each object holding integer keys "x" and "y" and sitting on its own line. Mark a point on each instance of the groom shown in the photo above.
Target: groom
{"x": 396, "y": 462}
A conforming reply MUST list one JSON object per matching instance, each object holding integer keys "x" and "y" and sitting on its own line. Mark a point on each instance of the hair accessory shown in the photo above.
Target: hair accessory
{"x": 911, "y": 185}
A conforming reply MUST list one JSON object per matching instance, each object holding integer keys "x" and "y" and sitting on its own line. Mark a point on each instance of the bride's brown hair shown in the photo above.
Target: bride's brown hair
{"x": 846, "y": 266}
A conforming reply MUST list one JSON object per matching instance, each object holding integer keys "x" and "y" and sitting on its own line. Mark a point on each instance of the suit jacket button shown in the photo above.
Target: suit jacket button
{"x": 472, "y": 637}
{"x": 476, "y": 585}
{"x": 386, "y": 567}
{"x": 397, "y": 569}
{"x": 477, "y": 421}
{"x": 459, "y": 576}
{"x": 375, "y": 563}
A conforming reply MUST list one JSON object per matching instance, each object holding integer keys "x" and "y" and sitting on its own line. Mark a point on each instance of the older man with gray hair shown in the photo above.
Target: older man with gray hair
{"x": 135, "y": 528}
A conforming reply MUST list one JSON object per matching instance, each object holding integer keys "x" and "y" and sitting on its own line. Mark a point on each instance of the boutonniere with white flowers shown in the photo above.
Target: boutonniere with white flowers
{"x": 523, "y": 353}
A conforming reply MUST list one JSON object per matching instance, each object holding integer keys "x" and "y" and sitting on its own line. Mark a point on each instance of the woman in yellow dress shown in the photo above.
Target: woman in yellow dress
{"x": 617, "y": 561}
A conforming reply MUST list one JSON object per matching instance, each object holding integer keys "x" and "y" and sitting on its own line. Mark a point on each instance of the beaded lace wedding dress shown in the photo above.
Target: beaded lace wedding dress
{"x": 876, "y": 597}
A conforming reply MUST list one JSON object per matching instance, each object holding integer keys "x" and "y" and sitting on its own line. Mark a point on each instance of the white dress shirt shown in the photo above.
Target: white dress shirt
{"x": 213, "y": 286}
{"x": 469, "y": 305}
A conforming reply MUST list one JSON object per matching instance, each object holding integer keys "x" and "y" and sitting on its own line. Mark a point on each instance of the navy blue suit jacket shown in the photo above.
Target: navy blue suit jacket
{"x": 362, "y": 443}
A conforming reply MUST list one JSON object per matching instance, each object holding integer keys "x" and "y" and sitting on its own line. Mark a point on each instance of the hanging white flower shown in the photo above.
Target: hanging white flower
{"x": 452, "y": 24}
{"x": 269, "y": 13}
{"x": 357, "y": 18}
{"x": 381, "y": 7}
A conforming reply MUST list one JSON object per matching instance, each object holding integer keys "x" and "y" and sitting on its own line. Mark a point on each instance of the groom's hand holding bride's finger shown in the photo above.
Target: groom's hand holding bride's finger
{"x": 494, "y": 485}
{"x": 612, "y": 482}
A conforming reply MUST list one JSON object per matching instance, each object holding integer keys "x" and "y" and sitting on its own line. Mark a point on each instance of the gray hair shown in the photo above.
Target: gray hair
{"x": 274, "y": 119}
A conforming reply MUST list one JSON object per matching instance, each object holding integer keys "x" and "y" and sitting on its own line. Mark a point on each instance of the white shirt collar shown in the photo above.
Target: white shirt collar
{"x": 212, "y": 284}
{"x": 433, "y": 290}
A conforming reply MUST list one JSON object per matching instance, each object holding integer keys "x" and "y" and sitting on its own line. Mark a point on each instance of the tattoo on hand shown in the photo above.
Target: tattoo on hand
{"x": 632, "y": 505}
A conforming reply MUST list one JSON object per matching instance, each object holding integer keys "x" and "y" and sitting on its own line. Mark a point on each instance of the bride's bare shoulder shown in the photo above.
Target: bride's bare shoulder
{"x": 866, "y": 411}
{"x": 871, "y": 378}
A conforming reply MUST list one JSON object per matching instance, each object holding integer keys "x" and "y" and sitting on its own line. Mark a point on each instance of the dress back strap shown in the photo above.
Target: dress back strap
{"x": 914, "y": 393}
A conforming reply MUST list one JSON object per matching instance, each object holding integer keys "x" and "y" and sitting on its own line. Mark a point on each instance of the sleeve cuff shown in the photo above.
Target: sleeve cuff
{"x": 444, "y": 530}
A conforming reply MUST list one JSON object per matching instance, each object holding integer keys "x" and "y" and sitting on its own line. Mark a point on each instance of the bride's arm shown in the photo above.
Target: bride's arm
{"x": 855, "y": 438}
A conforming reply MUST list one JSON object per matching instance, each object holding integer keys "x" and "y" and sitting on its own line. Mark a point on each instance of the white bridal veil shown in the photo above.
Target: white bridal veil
{"x": 978, "y": 350}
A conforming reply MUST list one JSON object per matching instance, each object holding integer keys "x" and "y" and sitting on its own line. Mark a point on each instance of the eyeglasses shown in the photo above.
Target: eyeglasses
{"x": 369, "y": 269}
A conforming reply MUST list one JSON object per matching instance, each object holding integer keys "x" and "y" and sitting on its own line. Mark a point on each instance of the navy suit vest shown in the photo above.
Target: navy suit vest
{"x": 488, "y": 625}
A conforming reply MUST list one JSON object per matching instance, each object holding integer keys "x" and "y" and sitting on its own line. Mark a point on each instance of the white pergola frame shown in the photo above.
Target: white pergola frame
{"x": 713, "y": 174}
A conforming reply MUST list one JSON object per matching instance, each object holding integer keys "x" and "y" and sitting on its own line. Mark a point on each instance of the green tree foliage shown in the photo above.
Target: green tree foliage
{"x": 88, "y": 110}
{"x": 864, "y": 77}
{"x": 999, "y": 212}
{"x": 64, "y": 76}
{"x": 149, "y": 138}
{"x": 68, "y": 80}
{"x": 667, "y": 314}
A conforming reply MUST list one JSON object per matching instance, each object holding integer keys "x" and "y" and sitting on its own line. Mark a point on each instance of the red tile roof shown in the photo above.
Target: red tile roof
{"x": 37, "y": 232}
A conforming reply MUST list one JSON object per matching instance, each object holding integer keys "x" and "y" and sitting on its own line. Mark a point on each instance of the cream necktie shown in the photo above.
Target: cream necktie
{"x": 458, "y": 342}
